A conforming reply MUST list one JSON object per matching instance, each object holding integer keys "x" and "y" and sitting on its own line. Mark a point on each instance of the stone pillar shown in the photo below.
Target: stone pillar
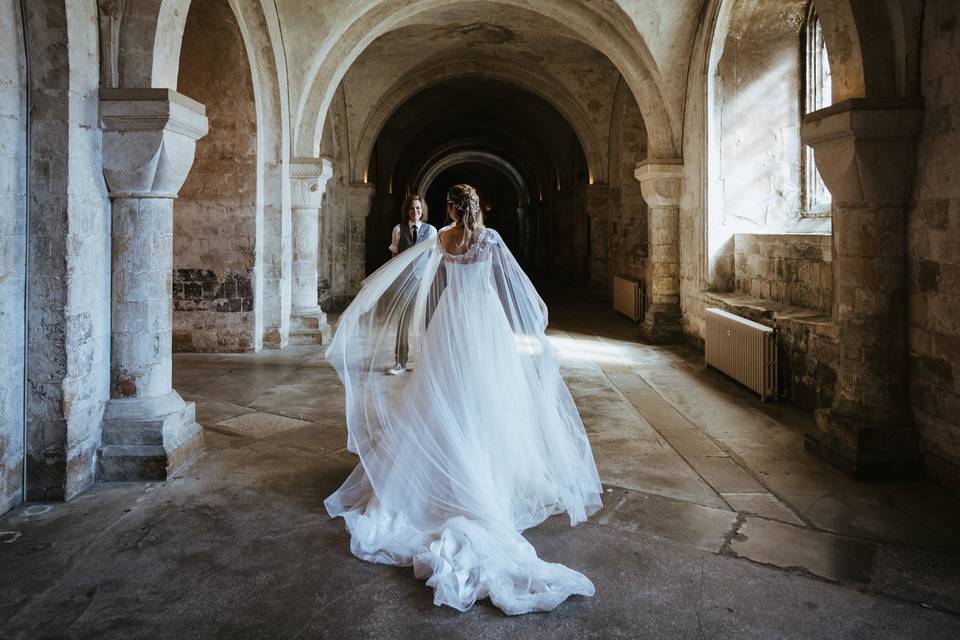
{"x": 597, "y": 206}
{"x": 149, "y": 139}
{"x": 308, "y": 178}
{"x": 866, "y": 152}
{"x": 360, "y": 199}
{"x": 660, "y": 184}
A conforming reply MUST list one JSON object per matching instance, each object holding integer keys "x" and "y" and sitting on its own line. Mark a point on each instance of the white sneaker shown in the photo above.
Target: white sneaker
{"x": 397, "y": 369}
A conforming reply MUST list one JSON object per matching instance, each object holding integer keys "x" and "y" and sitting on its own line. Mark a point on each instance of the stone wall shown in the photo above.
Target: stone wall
{"x": 792, "y": 269}
{"x": 13, "y": 184}
{"x": 760, "y": 276}
{"x": 334, "y": 256}
{"x": 807, "y": 346}
{"x": 934, "y": 249}
{"x": 742, "y": 178}
{"x": 215, "y": 218}
{"x": 753, "y": 122}
{"x": 627, "y": 241}
{"x": 69, "y": 252}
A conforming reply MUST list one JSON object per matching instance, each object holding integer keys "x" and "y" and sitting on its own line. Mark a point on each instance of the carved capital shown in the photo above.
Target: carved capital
{"x": 661, "y": 181}
{"x": 865, "y": 150}
{"x": 308, "y": 180}
{"x": 149, "y": 140}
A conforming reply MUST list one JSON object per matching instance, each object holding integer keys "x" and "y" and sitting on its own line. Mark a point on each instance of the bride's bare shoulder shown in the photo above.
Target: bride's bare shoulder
{"x": 446, "y": 236}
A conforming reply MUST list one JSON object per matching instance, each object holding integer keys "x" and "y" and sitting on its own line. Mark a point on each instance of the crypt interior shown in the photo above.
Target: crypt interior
{"x": 193, "y": 191}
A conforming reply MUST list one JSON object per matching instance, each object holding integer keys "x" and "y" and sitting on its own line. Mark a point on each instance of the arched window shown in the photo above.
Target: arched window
{"x": 817, "y": 90}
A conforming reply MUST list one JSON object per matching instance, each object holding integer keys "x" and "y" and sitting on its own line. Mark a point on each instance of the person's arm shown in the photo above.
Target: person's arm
{"x": 395, "y": 240}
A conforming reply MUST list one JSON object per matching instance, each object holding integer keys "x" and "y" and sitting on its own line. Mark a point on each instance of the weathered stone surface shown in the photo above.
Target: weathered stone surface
{"x": 67, "y": 287}
{"x": 148, "y": 430}
{"x": 661, "y": 182}
{"x": 13, "y": 234}
{"x": 219, "y": 216}
{"x": 793, "y": 269}
{"x": 865, "y": 152}
{"x": 933, "y": 251}
{"x": 308, "y": 322}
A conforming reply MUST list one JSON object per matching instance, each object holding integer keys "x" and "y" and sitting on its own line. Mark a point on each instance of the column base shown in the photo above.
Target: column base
{"x": 308, "y": 325}
{"x": 275, "y": 339}
{"x": 148, "y": 439}
{"x": 662, "y": 324}
{"x": 864, "y": 449}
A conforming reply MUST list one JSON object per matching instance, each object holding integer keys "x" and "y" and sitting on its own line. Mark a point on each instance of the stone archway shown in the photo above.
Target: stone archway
{"x": 538, "y": 83}
{"x": 873, "y": 49}
{"x": 434, "y": 168}
{"x": 218, "y": 215}
{"x": 146, "y": 54}
{"x": 620, "y": 43}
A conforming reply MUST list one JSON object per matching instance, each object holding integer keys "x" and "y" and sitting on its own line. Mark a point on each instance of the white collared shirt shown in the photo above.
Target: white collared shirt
{"x": 415, "y": 230}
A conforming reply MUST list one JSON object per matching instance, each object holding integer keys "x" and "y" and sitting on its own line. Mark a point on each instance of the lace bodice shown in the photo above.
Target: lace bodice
{"x": 479, "y": 251}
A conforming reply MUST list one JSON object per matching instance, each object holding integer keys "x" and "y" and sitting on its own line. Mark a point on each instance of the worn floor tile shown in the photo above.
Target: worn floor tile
{"x": 823, "y": 554}
{"x": 691, "y": 524}
{"x": 259, "y": 424}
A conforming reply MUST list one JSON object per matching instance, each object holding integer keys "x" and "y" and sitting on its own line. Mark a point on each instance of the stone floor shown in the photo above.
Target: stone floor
{"x": 716, "y": 522}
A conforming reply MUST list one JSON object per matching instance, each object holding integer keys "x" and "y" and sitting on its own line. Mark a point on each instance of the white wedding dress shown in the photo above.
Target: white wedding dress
{"x": 480, "y": 441}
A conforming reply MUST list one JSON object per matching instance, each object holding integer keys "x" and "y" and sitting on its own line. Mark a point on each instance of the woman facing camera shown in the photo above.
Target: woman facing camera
{"x": 413, "y": 229}
{"x": 480, "y": 442}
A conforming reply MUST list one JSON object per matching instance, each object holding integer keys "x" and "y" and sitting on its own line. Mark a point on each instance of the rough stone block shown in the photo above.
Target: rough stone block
{"x": 137, "y": 448}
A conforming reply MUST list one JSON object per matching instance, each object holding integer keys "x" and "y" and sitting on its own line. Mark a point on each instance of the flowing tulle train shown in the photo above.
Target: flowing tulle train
{"x": 480, "y": 442}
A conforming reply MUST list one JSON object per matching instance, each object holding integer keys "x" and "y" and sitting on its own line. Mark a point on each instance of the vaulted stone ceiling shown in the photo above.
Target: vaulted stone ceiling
{"x": 648, "y": 42}
{"x": 509, "y": 44}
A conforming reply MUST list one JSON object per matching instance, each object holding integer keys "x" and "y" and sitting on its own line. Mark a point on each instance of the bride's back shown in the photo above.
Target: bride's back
{"x": 452, "y": 239}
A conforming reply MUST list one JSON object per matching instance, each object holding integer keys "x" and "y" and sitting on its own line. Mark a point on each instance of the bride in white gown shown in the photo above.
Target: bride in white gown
{"x": 480, "y": 441}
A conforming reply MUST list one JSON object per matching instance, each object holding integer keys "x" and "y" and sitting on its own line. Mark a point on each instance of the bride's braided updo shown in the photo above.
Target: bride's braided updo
{"x": 465, "y": 200}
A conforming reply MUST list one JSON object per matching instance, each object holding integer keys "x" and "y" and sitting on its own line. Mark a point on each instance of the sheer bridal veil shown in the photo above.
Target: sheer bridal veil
{"x": 481, "y": 441}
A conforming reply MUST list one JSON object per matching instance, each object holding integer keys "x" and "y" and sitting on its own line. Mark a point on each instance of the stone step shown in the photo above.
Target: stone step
{"x": 148, "y": 449}
{"x": 303, "y": 323}
{"x": 120, "y": 434}
{"x": 132, "y": 462}
{"x": 315, "y": 336}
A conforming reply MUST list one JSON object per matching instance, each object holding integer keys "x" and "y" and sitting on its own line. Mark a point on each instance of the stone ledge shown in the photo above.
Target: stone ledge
{"x": 768, "y": 312}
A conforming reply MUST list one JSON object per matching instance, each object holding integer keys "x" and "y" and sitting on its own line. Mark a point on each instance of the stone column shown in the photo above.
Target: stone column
{"x": 360, "y": 199}
{"x": 597, "y": 206}
{"x": 149, "y": 139}
{"x": 308, "y": 178}
{"x": 660, "y": 184}
{"x": 866, "y": 153}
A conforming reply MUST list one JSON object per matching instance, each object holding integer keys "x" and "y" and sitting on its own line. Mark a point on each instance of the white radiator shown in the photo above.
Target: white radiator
{"x": 628, "y": 298}
{"x": 744, "y": 350}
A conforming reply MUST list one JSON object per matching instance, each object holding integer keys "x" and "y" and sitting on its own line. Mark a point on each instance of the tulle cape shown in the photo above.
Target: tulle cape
{"x": 480, "y": 441}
